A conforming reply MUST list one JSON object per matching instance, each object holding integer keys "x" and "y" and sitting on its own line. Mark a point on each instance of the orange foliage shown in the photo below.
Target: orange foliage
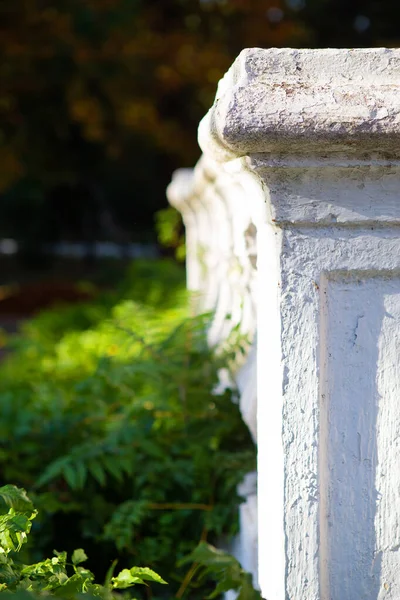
{"x": 117, "y": 70}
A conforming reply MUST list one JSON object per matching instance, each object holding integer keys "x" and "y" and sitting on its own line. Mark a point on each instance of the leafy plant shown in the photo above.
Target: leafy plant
{"x": 170, "y": 231}
{"x": 53, "y": 576}
{"x": 116, "y": 425}
{"x": 222, "y": 567}
{"x": 69, "y": 580}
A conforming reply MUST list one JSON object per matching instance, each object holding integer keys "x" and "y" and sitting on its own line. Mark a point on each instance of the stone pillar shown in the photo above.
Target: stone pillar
{"x": 319, "y": 130}
{"x": 221, "y": 209}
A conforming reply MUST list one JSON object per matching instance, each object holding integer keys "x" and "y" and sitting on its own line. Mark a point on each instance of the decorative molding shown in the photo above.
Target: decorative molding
{"x": 299, "y": 187}
{"x": 283, "y": 100}
{"x": 222, "y": 209}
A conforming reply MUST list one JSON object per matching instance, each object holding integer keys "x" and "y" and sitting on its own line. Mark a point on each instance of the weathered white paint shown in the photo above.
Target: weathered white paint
{"x": 314, "y": 135}
{"x": 222, "y": 208}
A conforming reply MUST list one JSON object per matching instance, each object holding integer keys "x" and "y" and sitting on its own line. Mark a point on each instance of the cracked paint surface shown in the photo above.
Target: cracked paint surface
{"x": 314, "y": 137}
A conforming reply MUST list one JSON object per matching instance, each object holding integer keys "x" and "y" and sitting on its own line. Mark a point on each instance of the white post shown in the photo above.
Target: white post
{"x": 319, "y": 132}
{"x": 221, "y": 210}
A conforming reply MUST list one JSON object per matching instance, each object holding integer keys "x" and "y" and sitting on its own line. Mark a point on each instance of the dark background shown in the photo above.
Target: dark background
{"x": 100, "y": 99}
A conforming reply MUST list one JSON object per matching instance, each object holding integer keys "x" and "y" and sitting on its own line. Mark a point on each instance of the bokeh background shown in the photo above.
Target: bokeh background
{"x": 100, "y": 101}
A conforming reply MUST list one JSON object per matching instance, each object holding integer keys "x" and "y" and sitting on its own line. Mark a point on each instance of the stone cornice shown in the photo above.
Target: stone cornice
{"x": 306, "y": 102}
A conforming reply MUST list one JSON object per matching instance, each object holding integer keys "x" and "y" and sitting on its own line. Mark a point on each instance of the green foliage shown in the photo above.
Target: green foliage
{"x": 50, "y": 576}
{"x": 16, "y": 513}
{"x": 159, "y": 284}
{"x": 129, "y": 577}
{"x": 170, "y": 231}
{"x": 113, "y": 420}
{"x": 59, "y": 578}
{"x": 225, "y": 569}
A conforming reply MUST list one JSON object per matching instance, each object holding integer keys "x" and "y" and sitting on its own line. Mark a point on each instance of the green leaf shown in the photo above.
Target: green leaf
{"x": 7, "y": 574}
{"x": 225, "y": 569}
{"x": 223, "y": 586}
{"x": 61, "y": 556}
{"x": 81, "y": 474}
{"x": 146, "y": 574}
{"x": 74, "y": 585}
{"x": 247, "y": 591}
{"x": 125, "y": 579}
{"x": 110, "y": 573}
{"x": 207, "y": 555}
{"x": 111, "y": 464}
{"x": 71, "y": 476}
{"x": 97, "y": 471}
{"x": 78, "y": 556}
{"x": 13, "y": 531}
{"x": 129, "y": 577}
{"x": 53, "y": 470}
{"x": 15, "y": 498}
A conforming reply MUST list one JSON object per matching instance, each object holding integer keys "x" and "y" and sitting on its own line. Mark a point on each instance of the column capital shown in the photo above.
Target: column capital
{"x": 305, "y": 102}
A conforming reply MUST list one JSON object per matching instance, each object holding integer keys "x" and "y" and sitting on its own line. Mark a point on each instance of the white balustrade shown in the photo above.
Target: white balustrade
{"x": 293, "y": 229}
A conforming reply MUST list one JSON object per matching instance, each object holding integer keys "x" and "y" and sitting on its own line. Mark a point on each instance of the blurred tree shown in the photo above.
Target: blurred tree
{"x": 344, "y": 24}
{"x": 112, "y": 90}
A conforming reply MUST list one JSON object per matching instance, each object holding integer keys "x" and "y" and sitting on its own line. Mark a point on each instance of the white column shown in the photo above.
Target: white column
{"x": 222, "y": 208}
{"x": 306, "y": 147}
{"x": 321, "y": 130}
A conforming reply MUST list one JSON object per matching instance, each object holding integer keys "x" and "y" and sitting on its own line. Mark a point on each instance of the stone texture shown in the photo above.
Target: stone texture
{"x": 301, "y": 169}
{"x": 297, "y": 101}
{"x": 221, "y": 210}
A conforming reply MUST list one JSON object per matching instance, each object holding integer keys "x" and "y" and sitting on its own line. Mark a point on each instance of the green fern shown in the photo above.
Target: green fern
{"x": 117, "y": 428}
